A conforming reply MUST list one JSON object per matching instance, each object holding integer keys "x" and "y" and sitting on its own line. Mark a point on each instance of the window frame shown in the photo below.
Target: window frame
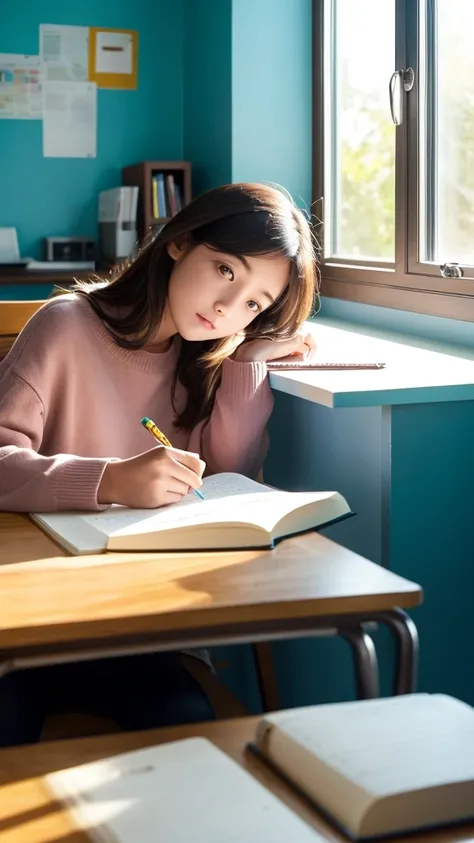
{"x": 406, "y": 284}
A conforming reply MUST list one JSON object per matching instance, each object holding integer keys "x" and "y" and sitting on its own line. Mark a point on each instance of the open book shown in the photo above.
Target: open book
{"x": 378, "y": 767}
{"x": 182, "y": 792}
{"x": 236, "y": 513}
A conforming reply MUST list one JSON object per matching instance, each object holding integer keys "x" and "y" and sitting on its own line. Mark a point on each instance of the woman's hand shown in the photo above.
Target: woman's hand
{"x": 300, "y": 346}
{"x": 154, "y": 478}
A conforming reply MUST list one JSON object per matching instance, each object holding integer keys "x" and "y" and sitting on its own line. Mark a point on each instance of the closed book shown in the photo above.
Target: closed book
{"x": 378, "y": 767}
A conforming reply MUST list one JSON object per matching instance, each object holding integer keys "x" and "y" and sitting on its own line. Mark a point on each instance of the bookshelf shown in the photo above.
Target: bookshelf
{"x": 146, "y": 175}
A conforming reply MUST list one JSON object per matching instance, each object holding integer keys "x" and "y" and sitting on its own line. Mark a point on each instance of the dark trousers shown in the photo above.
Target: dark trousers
{"x": 135, "y": 692}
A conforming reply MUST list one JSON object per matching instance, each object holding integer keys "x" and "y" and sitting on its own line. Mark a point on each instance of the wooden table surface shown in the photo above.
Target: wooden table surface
{"x": 48, "y": 597}
{"x": 30, "y": 814}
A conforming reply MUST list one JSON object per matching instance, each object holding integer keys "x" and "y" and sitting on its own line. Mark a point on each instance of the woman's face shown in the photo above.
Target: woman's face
{"x": 212, "y": 295}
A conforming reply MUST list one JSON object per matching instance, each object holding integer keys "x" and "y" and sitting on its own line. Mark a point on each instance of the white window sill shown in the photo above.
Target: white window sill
{"x": 416, "y": 371}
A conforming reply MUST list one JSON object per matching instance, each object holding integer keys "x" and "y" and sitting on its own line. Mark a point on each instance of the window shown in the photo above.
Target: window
{"x": 360, "y": 161}
{"x": 394, "y": 152}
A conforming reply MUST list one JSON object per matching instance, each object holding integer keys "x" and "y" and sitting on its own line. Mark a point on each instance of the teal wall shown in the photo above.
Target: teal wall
{"x": 25, "y": 292}
{"x": 207, "y": 91}
{"x": 431, "y": 535}
{"x": 247, "y": 92}
{"x": 434, "y": 328}
{"x": 58, "y": 196}
{"x": 271, "y": 94}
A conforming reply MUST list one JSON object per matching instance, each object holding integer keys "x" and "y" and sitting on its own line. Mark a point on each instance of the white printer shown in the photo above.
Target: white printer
{"x": 118, "y": 222}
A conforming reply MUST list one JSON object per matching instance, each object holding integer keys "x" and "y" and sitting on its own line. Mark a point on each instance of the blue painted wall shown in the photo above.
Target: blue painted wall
{"x": 46, "y": 196}
{"x": 25, "y": 292}
{"x": 247, "y": 92}
{"x": 431, "y": 539}
{"x": 271, "y": 94}
{"x": 435, "y": 328}
{"x": 207, "y": 94}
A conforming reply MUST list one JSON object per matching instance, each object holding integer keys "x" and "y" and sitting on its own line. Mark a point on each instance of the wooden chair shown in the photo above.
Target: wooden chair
{"x": 13, "y": 317}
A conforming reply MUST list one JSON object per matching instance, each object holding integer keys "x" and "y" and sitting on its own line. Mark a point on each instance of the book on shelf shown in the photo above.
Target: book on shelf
{"x": 167, "y": 197}
{"x": 179, "y": 196}
{"x": 160, "y": 209}
{"x": 236, "y": 513}
{"x": 171, "y": 195}
{"x": 154, "y": 189}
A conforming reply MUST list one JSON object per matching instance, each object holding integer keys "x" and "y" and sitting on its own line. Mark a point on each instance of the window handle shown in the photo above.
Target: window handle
{"x": 451, "y": 270}
{"x": 399, "y": 79}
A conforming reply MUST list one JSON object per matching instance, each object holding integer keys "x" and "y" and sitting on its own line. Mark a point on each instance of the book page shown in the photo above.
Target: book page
{"x": 230, "y": 498}
{"x": 428, "y": 738}
{"x": 182, "y": 792}
{"x": 235, "y": 510}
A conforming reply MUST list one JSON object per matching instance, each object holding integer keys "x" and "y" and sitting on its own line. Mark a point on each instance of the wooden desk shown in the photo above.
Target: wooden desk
{"x": 55, "y": 607}
{"x": 29, "y": 813}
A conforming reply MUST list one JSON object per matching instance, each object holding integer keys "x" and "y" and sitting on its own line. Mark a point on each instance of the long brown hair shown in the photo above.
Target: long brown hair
{"x": 236, "y": 219}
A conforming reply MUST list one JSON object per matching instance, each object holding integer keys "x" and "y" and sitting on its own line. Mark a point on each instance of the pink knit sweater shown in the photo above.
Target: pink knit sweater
{"x": 71, "y": 399}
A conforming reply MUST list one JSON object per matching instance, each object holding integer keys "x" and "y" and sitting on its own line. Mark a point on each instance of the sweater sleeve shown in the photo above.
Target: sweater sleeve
{"x": 234, "y": 438}
{"x": 30, "y": 482}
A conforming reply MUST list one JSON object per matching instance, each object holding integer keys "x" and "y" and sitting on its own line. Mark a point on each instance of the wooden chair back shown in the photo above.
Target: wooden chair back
{"x": 13, "y": 317}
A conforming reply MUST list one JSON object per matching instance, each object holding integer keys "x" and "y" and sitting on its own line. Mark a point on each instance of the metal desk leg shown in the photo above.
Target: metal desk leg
{"x": 266, "y": 676}
{"x": 406, "y": 636}
{"x": 365, "y": 661}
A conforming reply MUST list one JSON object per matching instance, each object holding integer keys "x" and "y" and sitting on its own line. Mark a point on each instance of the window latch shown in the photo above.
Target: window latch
{"x": 399, "y": 79}
{"x": 451, "y": 270}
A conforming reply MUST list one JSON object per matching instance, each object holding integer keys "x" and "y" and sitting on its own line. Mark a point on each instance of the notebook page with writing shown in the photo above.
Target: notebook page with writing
{"x": 237, "y": 512}
{"x": 230, "y": 498}
{"x": 219, "y": 491}
{"x": 182, "y": 792}
{"x": 89, "y": 532}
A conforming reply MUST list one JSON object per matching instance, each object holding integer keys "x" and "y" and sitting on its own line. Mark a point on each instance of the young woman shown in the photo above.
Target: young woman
{"x": 182, "y": 335}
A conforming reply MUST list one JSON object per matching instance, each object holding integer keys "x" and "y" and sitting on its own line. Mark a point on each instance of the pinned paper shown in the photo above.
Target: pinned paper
{"x": 64, "y": 52}
{"x": 20, "y": 87}
{"x": 69, "y": 119}
{"x": 114, "y": 52}
{"x": 113, "y": 58}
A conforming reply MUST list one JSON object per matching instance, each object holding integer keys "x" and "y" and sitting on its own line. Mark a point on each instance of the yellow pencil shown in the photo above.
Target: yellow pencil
{"x": 160, "y": 437}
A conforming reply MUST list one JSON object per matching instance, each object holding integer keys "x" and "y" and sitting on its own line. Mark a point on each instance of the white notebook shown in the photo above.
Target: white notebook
{"x": 236, "y": 513}
{"x": 378, "y": 767}
{"x": 182, "y": 792}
